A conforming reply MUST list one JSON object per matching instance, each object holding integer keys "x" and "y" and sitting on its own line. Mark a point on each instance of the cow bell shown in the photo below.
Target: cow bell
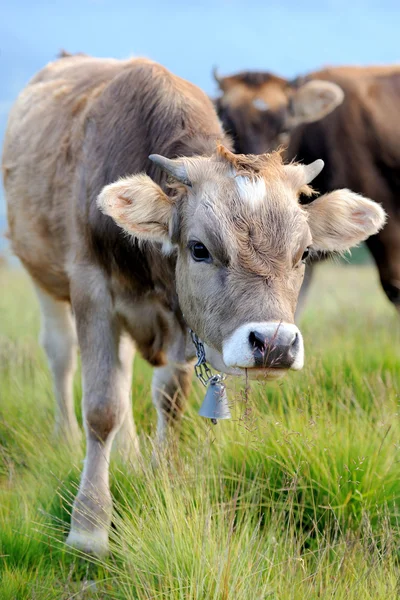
{"x": 215, "y": 405}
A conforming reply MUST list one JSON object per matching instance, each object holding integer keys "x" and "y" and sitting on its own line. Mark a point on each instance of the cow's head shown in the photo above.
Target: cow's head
{"x": 260, "y": 110}
{"x": 241, "y": 239}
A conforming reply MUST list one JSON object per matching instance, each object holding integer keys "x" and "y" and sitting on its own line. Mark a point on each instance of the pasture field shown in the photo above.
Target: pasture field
{"x": 297, "y": 497}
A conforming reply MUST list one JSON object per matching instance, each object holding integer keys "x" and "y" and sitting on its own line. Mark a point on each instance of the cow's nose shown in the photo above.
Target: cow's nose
{"x": 278, "y": 350}
{"x": 264, "y": 344}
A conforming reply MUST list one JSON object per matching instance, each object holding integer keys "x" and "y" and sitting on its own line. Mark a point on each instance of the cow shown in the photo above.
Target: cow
{"x": 358, "y": 141}
{"x": 137, "y": 223}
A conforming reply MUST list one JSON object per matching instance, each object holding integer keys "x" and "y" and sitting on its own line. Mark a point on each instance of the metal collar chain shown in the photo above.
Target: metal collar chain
{"x": 201, "y": 368}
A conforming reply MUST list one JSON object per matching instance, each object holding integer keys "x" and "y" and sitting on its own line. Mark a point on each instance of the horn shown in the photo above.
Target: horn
{"x": 217, "y": 77}
{"x": 302, "y": 174}
{"x": 312, "y": 170}
{"x": 175, "y": 168}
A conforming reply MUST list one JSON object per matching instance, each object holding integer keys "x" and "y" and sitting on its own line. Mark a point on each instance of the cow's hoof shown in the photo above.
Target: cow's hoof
{"x": 95, "y": 543}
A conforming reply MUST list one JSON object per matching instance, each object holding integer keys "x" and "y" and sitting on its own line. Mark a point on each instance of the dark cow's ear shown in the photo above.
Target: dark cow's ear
{"x": 139, "y": 206}
{"x": 312, "y": 101}
{"x": 342, "y": 219}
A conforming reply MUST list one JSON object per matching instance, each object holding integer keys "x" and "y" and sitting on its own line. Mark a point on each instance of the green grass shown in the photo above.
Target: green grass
{"x": 298, "y": 497}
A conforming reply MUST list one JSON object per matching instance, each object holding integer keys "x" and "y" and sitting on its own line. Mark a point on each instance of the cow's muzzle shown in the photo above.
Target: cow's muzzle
{"x": 268, "y": 345}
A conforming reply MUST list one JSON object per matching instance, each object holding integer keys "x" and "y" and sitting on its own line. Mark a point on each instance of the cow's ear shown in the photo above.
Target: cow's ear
{"x": 313, "y": 101}
{"x": 139, "y": 206}
{"x": 343, "y": 219}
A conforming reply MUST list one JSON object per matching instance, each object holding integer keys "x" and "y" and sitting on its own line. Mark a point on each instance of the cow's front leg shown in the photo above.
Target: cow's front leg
{"x": 106, "y": 389}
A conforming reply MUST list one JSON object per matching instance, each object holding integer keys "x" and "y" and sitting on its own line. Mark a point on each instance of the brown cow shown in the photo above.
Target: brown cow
{"x": 359, "y": 141}
{"x": 220, "y": 249}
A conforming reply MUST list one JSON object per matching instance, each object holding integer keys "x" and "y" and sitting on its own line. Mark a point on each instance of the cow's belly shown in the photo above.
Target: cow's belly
{"x": 38, "y": 184}
{"x": 42, "y": 252}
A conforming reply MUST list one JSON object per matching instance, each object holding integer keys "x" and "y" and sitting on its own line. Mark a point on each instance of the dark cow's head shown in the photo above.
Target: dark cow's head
{"x": 241, "y": 238}
{"x": 260, "y": 110}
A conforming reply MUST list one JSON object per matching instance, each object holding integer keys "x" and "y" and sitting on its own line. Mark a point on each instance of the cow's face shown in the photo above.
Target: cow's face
{"x": 241, "y": 239}
{"x": 260, "y": 110}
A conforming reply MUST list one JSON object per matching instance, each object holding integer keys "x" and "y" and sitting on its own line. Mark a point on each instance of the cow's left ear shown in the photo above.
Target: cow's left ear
{"x": 313, "y": 101}
{"x": 342, "y": 219}
{"x": 139, "y": 206}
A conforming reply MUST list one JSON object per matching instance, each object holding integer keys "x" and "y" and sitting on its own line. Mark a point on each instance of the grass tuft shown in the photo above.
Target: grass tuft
{"x": 296, "y": 497}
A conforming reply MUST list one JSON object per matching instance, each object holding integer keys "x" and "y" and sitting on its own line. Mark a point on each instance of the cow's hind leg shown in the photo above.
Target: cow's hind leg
{"x": 58, "y": 338}
{"x": 127, "y": 441}
{"x": 170, "y": 388}
{"x": 385, "y": 248}
{"x": 106, "y": 392}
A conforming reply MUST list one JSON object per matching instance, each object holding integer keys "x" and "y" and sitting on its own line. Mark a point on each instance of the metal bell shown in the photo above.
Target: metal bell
{"x": 215, "y": 405}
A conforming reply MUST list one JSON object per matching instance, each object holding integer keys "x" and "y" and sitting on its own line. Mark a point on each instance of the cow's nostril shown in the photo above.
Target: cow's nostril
{"x": 293, "y": 347}
{"x": 295, "y": 341}
{"x": 257, "y": 341}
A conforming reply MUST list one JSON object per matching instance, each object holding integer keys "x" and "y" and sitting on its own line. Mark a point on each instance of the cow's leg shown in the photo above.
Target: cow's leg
{"x": 58, "y": 338}
{"x": 127, "y": 441}
{"x": 170, "y": 388}
{"x": 385, "y": 248}
{"x": 308, "y": 275}
{"x": 106, "y": 390}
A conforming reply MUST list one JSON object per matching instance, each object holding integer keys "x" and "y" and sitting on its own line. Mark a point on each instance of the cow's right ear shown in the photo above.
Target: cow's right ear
{"x": 139, "y": 206}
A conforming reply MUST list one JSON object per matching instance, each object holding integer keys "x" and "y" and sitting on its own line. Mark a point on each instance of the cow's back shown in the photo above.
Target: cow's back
{"x": 41, "y": 153}
{"x": 79, "y": 124}
{"x": 359, "y": 141}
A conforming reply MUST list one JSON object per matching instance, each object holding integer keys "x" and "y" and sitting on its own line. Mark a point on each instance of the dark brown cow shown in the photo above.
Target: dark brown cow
{"x": 220, "y": 249}
{"x": 359, "y": 141}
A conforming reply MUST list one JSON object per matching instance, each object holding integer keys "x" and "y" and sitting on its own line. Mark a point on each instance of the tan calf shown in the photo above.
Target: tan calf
{"x": 219, "y": 248}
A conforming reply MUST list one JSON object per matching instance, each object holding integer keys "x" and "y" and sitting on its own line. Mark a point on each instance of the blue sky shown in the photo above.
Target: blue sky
{"x": 290, "y": 37}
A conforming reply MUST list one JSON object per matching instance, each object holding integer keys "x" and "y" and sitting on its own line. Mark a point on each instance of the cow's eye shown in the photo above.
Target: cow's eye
{"x": 305, "y": 254}
{"x": 199, "y": 252}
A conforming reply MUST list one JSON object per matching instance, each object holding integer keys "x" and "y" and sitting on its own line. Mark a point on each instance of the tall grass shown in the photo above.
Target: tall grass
{"x": 297, "y": 497}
